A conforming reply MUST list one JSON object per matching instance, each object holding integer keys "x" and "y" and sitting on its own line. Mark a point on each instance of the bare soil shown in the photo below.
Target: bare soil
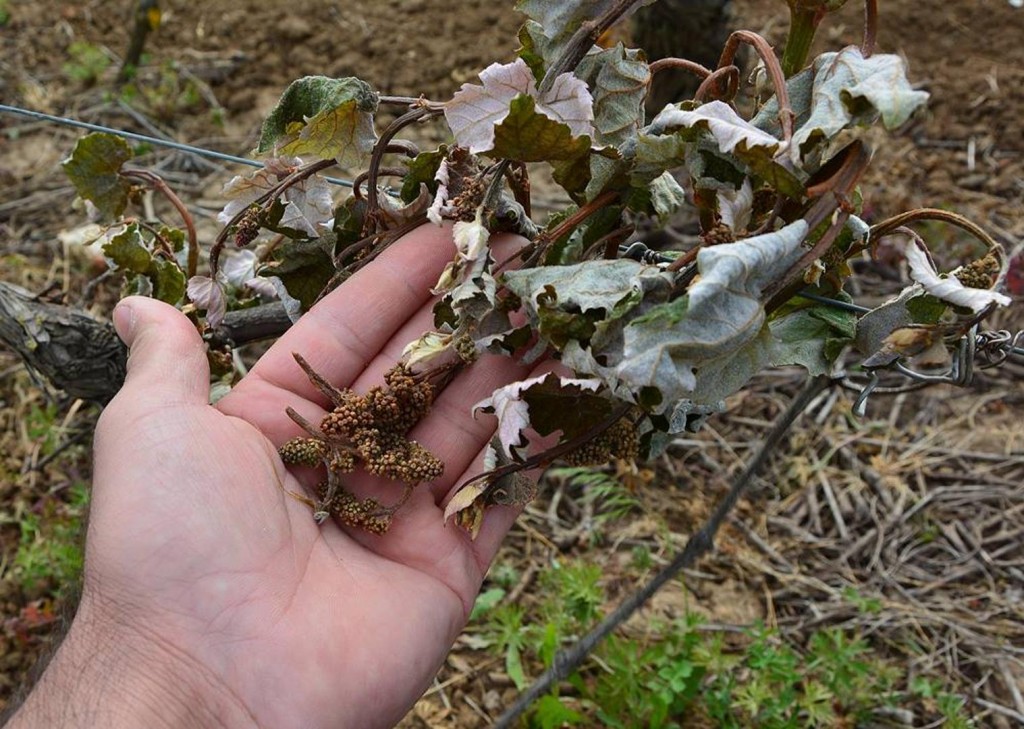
{"x": 846, "y": 506}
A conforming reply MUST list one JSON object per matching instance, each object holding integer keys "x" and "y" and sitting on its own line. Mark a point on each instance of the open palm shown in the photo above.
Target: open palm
{"x": 197, "y": 547}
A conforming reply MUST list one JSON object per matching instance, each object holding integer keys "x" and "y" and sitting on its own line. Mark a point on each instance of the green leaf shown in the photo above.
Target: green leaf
{"x": 514, "y": 666}
{"x": 529, "y": 136}
{"x": 551, "y": 713}
{"x": 168, "y": 281}
{"x": 422, "y": 169}
{"x": 811, "y": 338}
{"x": 304, "y": 268}
{"x": 127, "y": 250}
{"x": 486, "y": 601}
{"x": 559, "y": 20}
{"x": 618, "y": 79}
{"x": 324, "y": 117}
{"x": 94, "y": 168}
{"x": 533, "y": 48}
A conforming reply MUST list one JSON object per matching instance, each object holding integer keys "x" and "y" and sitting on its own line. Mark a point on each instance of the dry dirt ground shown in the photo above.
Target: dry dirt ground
{"x": 917, "y": 505}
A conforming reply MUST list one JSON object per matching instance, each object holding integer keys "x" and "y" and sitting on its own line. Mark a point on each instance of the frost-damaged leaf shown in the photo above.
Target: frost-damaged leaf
{"x": 475, "y": 111}
{"x": 618, "y": 79}
{"x": 126, "y": 251}
{"x": 208, "y": 294}
{"x": 423, "y": 170}
{"x": 168, "y": 281}
{"x": 736, "y": 206}
{"x": 566, "y": 302}
{"x": 306, "y": 205}
{"x": 812, "y": 337}
{"x": 328, "y": 118}
{"x": 734, "y": 136}
{"x": 470, "y": 502}
{"x": 667, "y": 196}
{"x": 304, "y": 267}
{"x": 559, "y": 20}
{"x": 721, "y": 314}
{"x": 948, "y": 289}
{"x": 527, "y": 136}
{"x": 426, "y": 349}
{"x": 728, "y": 128}
{"x": 94, "y": 169}
{"x": 547, "y": 404}
{"x": 866, "y": 89}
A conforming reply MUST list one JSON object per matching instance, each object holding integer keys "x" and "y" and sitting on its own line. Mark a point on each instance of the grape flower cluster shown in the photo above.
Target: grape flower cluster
{"x": 369, "y": 431}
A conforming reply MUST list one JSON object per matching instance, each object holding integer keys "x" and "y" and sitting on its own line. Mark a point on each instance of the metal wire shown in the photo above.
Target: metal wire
{"x": 188, "y": 148}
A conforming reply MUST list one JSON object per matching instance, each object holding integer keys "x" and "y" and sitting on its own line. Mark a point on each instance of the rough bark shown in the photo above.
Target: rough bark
{"x": 72, "y": 350}
{"x": 84, "y": 357}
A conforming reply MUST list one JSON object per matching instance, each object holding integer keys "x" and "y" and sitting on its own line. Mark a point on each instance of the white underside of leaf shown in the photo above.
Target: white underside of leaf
{"x": 475, "y": 110}
{"x": 727, "y": 127}
{"x": 948, "y": 289}
{"x": 513, "y": 412}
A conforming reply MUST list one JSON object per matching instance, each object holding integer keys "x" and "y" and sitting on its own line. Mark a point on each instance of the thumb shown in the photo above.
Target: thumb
{"x": 166, "y": 356}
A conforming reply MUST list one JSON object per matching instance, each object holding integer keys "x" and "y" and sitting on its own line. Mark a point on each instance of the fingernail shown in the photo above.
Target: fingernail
{"x": 124, "y": 321}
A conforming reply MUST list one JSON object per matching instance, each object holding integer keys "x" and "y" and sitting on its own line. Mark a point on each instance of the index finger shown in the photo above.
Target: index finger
{"x": 345, "y": 331}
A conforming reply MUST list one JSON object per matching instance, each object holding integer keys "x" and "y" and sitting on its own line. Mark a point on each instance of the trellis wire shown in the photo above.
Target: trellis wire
{"x": 198, "y": 151}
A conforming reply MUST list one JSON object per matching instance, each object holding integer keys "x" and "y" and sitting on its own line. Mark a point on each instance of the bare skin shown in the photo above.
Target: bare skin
{"x": 211, "y": 598}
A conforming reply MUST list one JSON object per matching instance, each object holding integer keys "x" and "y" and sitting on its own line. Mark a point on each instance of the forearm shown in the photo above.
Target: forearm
{"x": 111, "y": 676}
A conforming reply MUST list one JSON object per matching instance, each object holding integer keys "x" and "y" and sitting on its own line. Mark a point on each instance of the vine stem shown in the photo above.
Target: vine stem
{"x": 157, "y": 183}
{"x": 582, "y": 40}
{"x": 903, "y": 219}
{"x": 731, "y": 73}
{"x": 535, "y": 248}
{"x": 692, "y": 66}
{"x": 775, "y": 72}
{"x": 272, "y": 194}
{"x": 565, "y": 662}
{"x": 803, "y": 23}
{"x": 867, "y": 46}
{"x": 379, "y": 149}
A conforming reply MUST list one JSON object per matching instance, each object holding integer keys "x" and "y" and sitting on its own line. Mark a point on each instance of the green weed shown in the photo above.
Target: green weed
{"x": 86, "y": 64}
{"x": 50, "y": 555}
{"x": 679, "y": 670}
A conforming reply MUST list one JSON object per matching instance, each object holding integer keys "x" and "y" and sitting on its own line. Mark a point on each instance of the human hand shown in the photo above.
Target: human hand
{"x": 210, "y": 596}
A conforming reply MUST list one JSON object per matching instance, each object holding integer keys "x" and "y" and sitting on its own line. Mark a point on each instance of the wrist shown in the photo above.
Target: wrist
{"x": 115, "y": 675}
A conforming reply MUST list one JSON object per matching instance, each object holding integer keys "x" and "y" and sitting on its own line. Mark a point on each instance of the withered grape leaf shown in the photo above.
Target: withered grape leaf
{"x": 475, "y": 112}
{"x": 565, "y": 303}
{"x": 948, "y": 289}
{"x": 721, "y": 314}
{"x": 304, "y": 267}
{"x": 208, "y": 294}
{"x": 127, "y": 251}
{"x": 306, "y": 205}
{"x": 547, "y": 404}
{"x": 733, "y": 136}
{"x": 94, "y": 169}
{"x": 866, "y": 89}
{"x": 618, "y": 79}
{"x": 168, "y": 280}
{"x": 323, "y": 117}
{"x": 559, "y": 20}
